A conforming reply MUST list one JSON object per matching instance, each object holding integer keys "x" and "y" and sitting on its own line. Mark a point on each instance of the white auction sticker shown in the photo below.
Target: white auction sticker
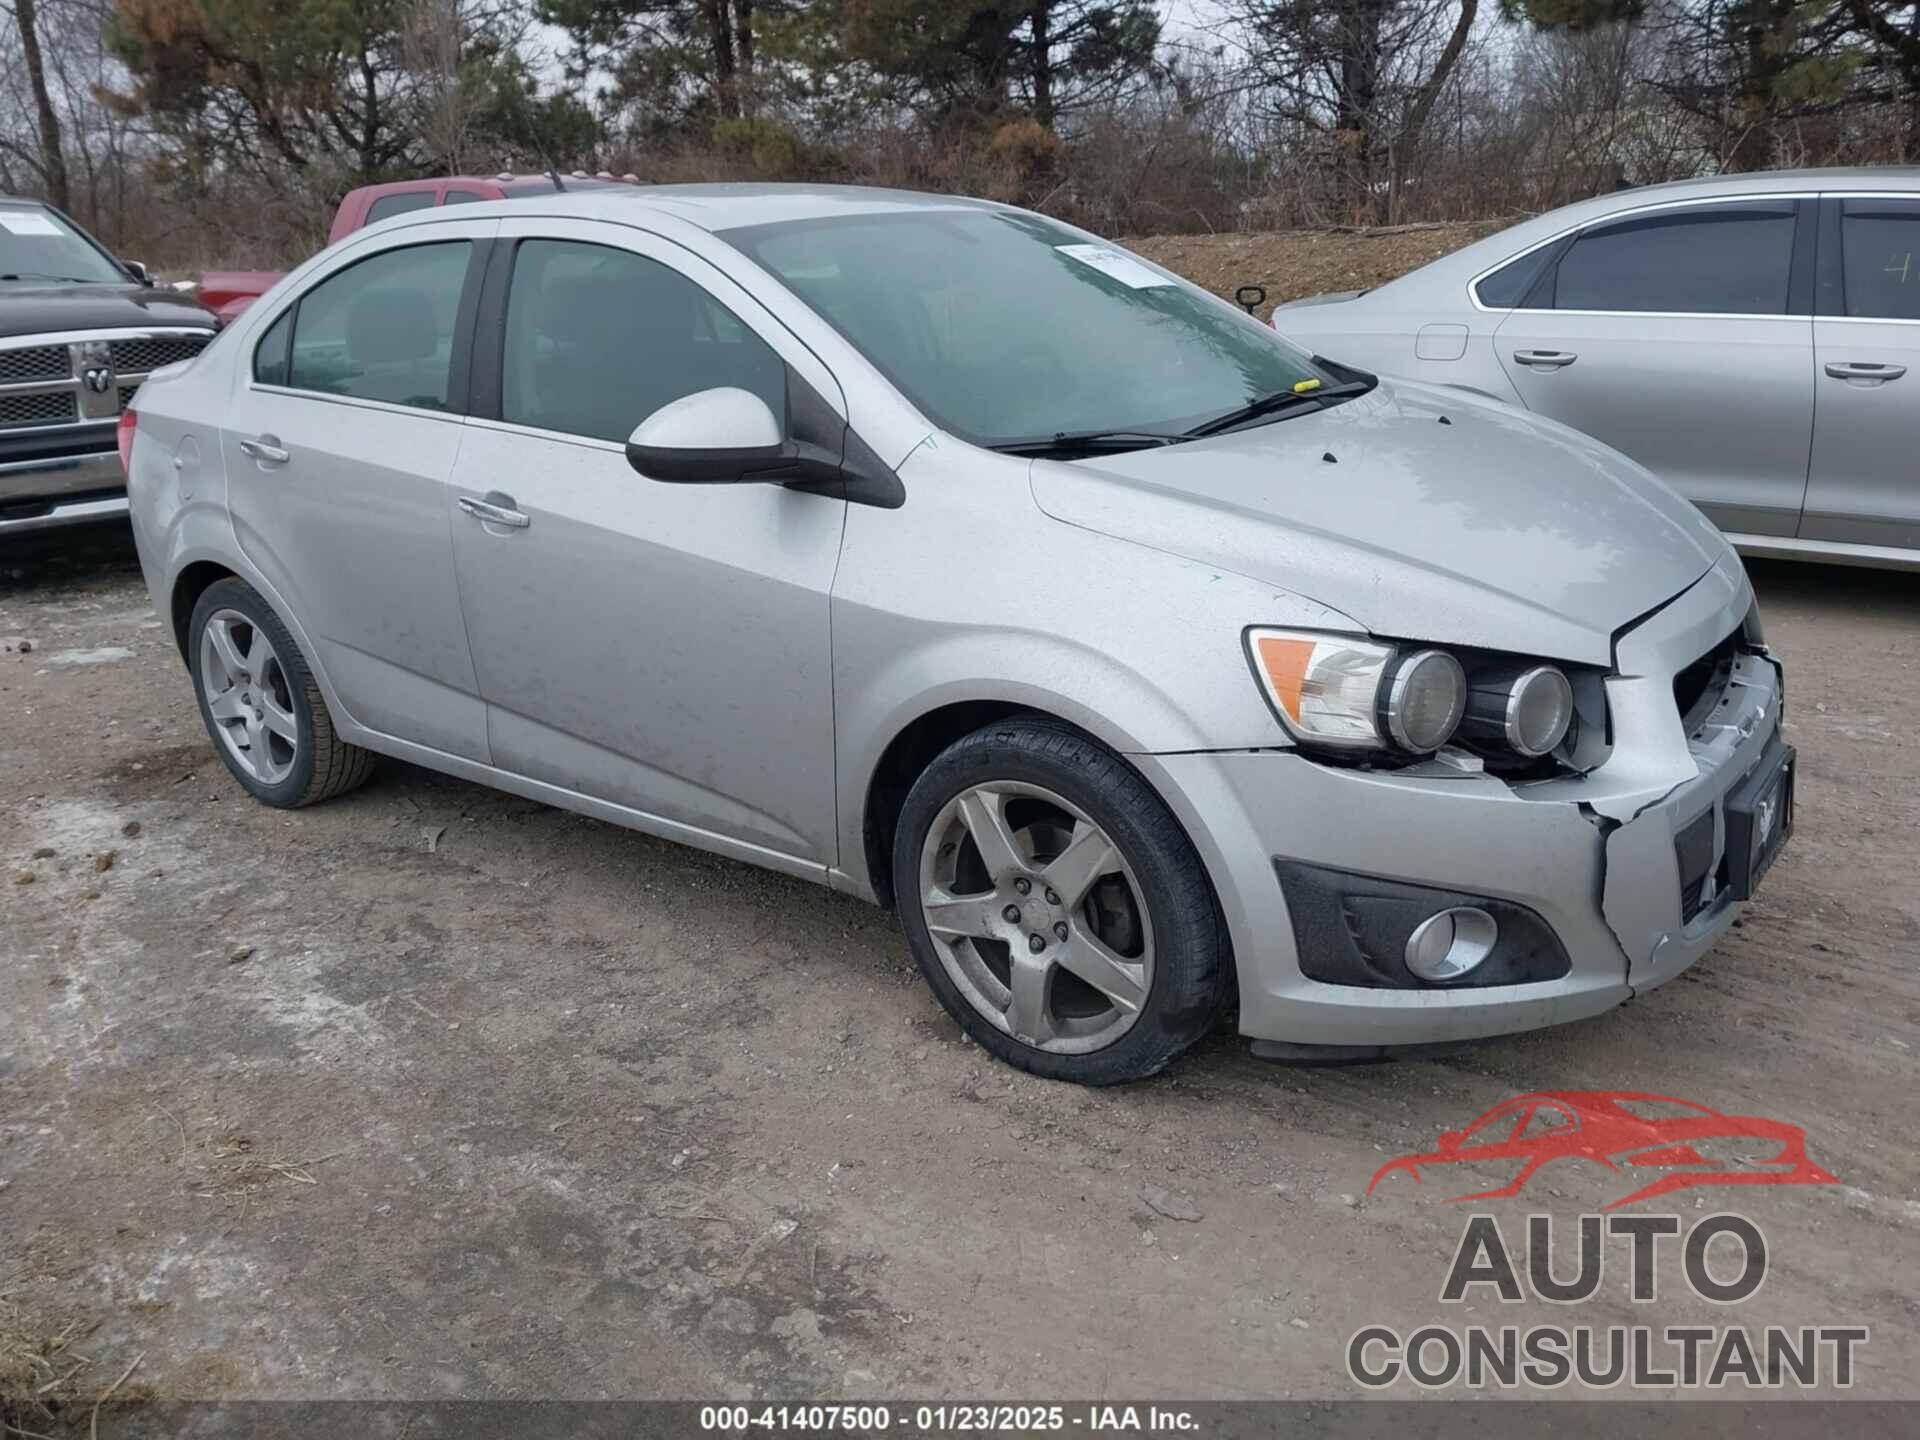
{"x": 1124, "y": 268}
{"x": 28, "y": 222}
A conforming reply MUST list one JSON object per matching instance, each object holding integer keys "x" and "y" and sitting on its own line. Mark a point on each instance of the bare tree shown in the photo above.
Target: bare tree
{"x": 52, "y": 163}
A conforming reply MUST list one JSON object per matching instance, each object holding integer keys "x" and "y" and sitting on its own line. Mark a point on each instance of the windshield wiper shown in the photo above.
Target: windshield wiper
{"x": 1276, "y": 405}
{"x": 1089, "y": 442}
{"x": 36, "y": 275}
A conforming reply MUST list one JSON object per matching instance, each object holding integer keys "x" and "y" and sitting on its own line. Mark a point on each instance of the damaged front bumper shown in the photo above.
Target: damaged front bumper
{"x": 1595, "y": 856}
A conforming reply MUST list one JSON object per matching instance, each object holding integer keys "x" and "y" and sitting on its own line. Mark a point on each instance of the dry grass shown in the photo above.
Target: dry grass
{"x": 47, "y": 1383}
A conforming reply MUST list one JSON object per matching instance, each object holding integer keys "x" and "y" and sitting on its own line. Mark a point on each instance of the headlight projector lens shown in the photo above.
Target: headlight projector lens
{"x": 1424, "y": 701}
{"x": 1528, "y": 712}
{"x": 1447, "y": 946}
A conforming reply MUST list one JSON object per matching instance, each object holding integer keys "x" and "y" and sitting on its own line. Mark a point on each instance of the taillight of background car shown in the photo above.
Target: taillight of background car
{"x": 123, "y": 437}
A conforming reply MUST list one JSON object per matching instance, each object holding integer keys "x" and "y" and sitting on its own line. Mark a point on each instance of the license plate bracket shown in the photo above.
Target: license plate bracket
{"x": 1759, "y": 820}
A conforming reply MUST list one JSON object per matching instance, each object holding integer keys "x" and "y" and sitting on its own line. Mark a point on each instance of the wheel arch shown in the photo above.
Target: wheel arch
{"x": 193, "y": 581}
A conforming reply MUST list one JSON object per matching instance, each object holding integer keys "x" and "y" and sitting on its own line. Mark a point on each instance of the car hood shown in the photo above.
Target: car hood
{"x": 1420, "y": 513}
{"x": 42, "y": 309}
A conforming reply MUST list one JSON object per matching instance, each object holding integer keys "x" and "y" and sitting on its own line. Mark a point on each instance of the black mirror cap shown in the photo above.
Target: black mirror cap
{"x": 862, "y": 478}
{"x": 731, "y": 466}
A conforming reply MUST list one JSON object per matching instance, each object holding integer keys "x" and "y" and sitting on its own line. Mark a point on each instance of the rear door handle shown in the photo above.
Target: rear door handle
{"x": 496, "y": 509}
{"x": 1545, "y": 359}
{"x": 266, "y": 449}
{"x": 1864, "y": 370}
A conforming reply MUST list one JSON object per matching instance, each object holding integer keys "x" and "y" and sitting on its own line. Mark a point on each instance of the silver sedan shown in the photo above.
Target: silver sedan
{"x": 940, "y": 553}
{"x": 1747, "y": 338}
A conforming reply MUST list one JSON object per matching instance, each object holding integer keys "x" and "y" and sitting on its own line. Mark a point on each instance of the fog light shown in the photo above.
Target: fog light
{"x": 1446, "y": 946}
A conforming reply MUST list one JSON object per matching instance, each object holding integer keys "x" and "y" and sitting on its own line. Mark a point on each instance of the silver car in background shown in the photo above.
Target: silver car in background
{"x": 948, "y": 556}
{"x": 1747, "y": 338}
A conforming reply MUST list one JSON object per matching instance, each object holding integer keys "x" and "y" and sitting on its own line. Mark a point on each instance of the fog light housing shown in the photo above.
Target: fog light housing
{"x": 1447, "y": 946}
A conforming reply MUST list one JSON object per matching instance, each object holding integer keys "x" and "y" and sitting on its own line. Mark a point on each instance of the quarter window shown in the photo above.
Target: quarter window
{"x": 1507, "y": 287}
{"x": 382, "y": 329}
{"x": 1880, "y": 246}
{"x": 270, "y": 355}
{"x": 462, "y": 197}
{"x": 598, "y": 339}
{"x": 1733, "y": 259}
{"x": 388, "y": 206}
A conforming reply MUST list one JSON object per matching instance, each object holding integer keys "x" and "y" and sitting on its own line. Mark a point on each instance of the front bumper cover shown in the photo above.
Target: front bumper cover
{"x": 1593, "y": 855}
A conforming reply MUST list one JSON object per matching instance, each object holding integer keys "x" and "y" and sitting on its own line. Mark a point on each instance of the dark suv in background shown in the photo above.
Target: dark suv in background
{"x": 79, "y": 331}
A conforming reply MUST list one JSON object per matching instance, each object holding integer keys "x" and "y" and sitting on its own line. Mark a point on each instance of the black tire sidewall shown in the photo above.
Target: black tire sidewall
{"x": 239, "y": 596}
{"x": 1191, "y": 957}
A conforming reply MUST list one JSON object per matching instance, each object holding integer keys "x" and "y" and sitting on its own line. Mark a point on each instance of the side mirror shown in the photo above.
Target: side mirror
{"x": 715, "y": 437}
{"x": 137, "y": 270}
{"x": 729, "y": 436}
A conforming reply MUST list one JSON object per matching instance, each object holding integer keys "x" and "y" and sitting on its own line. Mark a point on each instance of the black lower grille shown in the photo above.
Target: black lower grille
{"x": 1693, "y": 849}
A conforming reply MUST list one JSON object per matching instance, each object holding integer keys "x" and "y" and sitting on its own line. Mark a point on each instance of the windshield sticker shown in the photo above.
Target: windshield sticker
{"x": 1124, "y": 268}
{"x": 22, "y": 222}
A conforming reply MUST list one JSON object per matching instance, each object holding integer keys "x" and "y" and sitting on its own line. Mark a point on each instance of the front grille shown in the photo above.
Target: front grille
{"x": 57, "y": 408}
{"x": 140, "y": 356}
{"x": 126, "y": 394}
{"x": 37, "y": 362}
{"x": 1699, "y": 688}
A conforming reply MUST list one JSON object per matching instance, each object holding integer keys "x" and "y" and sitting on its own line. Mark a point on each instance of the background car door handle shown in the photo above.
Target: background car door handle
{"x": 1545, "y": 359}
{"x": 267, "y": 450}
{"x": 496, "y": 509}
{"x": 1864, "y": 370}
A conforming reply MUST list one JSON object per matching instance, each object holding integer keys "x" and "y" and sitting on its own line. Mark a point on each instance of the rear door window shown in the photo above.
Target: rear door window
{"x": 383, "y": 329}
{"x": 1880, "y": 249}
{"x": 1725, "y": 259}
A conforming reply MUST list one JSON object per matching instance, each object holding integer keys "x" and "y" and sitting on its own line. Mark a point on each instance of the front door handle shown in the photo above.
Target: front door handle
{"x": 1545, "y": 359}
{"x": 266, "y": 449}
{"x": 496, "y": 509}
{"x": 1864, "y": 370}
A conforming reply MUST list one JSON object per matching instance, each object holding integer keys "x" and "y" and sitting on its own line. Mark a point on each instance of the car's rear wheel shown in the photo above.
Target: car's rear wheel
{"x": 1056, "y": 907}
{"x": 261, "y": 704}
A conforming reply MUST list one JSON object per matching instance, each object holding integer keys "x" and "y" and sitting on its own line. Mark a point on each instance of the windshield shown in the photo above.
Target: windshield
{"x": 38, "y": 245}
{"x": 1004, "y": 326}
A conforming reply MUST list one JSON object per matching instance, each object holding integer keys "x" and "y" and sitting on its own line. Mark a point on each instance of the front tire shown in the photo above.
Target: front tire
{"x": 261, "y": 705}
{"x": 1056, "y": 907}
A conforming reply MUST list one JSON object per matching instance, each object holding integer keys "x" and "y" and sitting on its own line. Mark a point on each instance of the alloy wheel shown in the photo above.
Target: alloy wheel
{"x": 1037, "y": 917}
{"x": 247, "y": 694}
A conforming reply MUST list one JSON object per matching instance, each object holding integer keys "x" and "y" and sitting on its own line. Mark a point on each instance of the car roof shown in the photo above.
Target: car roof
{"x": 726, "y": 206}
{"x": 1440, "y": 278}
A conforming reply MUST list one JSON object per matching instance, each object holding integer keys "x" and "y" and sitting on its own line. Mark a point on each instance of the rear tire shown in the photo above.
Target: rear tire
{"x": 262, "y": 707}
{"x": 1082, "y": 940}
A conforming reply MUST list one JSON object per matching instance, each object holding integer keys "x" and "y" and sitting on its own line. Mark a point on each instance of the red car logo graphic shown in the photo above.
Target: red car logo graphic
{"x": 1623, "y": 1130}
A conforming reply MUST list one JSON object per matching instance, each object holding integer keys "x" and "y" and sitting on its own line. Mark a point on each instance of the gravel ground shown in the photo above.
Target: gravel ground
{"x": 436, "y": 1092}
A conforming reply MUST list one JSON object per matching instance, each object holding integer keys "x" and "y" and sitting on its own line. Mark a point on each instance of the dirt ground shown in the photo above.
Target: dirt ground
{"x": 434, "y": 1092}
{"x": 1290, "y": 264}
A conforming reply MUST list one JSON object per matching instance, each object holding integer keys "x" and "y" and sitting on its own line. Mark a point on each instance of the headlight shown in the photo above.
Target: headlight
{"x": 1338, "y": 690}
{"x": 1526, "y": 710}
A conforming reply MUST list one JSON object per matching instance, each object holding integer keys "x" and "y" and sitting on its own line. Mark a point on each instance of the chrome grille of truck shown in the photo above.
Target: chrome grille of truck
{"x": 87, "y": 382}
{"x": 45, "y": 408}
{"x": 136, "y": 357}
{"x": 35, "y": 362}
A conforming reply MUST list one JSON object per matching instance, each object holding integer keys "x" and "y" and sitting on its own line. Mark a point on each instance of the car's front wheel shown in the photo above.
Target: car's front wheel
{"x": 261, "y": 704}
{"x": 1056, "y": 907}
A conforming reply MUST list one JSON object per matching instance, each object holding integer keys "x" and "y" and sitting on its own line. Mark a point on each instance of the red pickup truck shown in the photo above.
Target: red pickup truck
{"x": 228, "y": 292}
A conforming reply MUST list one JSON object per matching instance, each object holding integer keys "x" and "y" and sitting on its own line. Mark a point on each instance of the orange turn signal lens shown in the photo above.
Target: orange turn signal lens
{"x": 1283, "y": 661}
{"x": 1324, "y": 688}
